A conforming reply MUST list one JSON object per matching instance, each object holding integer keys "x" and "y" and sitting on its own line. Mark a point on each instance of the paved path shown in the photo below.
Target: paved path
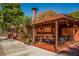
{"x": 16, "y": 48}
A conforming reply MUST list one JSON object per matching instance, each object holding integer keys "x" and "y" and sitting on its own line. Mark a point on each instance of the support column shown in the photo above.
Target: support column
{"x": 57, "y": 36}
{"x": 41, "y": 35}
{"x": 33, "y": 33}
{"x": 37, "y": 32}
{"x": 73, "y": 33}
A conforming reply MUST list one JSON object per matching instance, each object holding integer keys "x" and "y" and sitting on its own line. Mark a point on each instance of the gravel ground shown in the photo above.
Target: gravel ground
{"x": 16, "y": 48}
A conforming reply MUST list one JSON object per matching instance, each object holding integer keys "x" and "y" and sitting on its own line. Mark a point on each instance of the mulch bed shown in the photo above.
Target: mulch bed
{"x": 45, "y": 46}
{"x": 68, "y": 48}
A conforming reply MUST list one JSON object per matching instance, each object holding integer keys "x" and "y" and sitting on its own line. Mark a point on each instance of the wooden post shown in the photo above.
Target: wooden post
{"x": 41, "y": 35}
{"x": 73, "y": 32}
{"x": 56, "y": 42}
{"x": 33, "y": 33}
{"x": 37, "y": 32}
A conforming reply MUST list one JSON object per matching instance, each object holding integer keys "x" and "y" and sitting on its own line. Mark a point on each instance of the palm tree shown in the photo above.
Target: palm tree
{"x": 24, "y": 23}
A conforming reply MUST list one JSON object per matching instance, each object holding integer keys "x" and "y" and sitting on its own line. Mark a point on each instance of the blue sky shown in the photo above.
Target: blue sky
{"x": 61, "y": 8}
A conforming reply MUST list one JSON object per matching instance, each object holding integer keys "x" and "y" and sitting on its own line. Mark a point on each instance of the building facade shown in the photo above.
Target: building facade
{"x": 56, "y": 29}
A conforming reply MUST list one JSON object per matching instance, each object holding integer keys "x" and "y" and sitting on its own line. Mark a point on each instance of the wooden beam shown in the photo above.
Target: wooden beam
{"x": 57, "y": 34}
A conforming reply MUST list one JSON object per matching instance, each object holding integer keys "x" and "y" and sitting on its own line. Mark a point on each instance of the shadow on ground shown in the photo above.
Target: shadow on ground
{"x": 72, "y": 51}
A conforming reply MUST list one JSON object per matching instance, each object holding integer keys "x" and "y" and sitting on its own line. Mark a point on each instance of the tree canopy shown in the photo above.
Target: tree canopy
{"x": 74, "y": 14}
{"x": 46, "y": 14}
{"x": 14, "y": 17}
{"x": 10, "y": 11}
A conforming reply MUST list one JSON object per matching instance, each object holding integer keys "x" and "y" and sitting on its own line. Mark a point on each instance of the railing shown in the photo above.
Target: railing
{"x": 52, "y": 41}
{"x": 44, "y": 32}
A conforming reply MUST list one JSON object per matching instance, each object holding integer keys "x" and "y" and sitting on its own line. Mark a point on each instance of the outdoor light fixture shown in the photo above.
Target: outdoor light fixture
{"x": 75, "y": 25}
{"x": 41, "y": 27}
{"x": 67, "y": 24}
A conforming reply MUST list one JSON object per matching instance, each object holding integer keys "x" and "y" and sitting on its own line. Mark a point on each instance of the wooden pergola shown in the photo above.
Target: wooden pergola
{"x": 56, "y": 21}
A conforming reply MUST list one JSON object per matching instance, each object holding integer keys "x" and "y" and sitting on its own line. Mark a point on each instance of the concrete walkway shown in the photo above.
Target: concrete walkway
{"x": 16, "y": 48}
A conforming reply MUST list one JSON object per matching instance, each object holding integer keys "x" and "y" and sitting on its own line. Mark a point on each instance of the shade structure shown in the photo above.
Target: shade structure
{"x": 60, "y": 25}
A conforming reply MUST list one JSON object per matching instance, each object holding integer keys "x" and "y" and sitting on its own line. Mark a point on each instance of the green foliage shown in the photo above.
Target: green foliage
{"x": 74, "y": 14}
{"x": 10, "y": 5}
{"x": 13, "y": 15}
{"x": 10, "y": 12}
{"x": 24, "y": 20}
{"x": 25, "y": 25}
{"x": 0, "y": 13}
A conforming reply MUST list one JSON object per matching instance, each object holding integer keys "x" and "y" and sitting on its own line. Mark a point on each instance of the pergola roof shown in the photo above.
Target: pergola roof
{"x": 57, "y": 17}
